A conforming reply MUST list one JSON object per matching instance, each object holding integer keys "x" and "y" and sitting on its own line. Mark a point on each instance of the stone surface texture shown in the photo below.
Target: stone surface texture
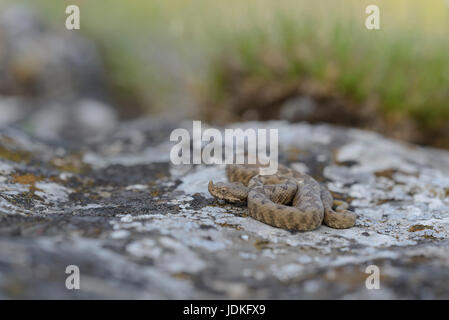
{"x": 139, "y": 227}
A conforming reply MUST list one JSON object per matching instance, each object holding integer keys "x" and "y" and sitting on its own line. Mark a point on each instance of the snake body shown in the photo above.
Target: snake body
{"x": 288, "y": 199}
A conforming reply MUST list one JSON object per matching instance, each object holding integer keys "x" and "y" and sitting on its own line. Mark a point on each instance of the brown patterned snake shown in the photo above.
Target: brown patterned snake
{"x": 288, "y": 199}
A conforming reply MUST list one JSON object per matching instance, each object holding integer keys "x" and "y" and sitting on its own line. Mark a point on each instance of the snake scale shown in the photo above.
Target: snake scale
{"x": 288, "y": 199}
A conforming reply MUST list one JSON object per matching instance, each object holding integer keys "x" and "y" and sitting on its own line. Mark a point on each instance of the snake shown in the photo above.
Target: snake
{"x": 288, "y": 199}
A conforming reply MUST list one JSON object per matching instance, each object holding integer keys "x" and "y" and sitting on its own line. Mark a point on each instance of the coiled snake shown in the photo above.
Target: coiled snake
{"x": 288, "y": 199}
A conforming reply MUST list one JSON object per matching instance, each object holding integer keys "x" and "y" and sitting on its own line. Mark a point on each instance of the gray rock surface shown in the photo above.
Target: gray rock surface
{"x": 139, "y": 227}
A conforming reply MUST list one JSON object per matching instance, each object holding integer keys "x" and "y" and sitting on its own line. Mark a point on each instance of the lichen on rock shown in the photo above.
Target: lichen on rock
{"x": 139, "y": 227}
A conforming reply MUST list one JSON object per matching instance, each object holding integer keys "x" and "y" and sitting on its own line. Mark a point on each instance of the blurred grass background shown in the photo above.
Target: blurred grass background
{"x": 203, "y": 58}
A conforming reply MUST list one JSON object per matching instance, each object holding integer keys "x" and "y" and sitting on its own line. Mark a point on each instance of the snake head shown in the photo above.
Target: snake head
{"x": 232, "y": 192}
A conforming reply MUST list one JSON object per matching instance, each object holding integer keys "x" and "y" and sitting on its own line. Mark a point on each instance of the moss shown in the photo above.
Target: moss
{"x": 27, "y": 178}
{"x": 31, "y": 180}
{"x": 228, "y": 225}
{"x": 294, "y": 153}
{"x": 14, "y": 155}
{"x": 419, "y": 227}
{"x": 182, "y": 275}
{"x": 261, "y": 244}
{"x": 155, "y": 193}
{"x": 31, "y": 194}
{"x": 70, "y": 163}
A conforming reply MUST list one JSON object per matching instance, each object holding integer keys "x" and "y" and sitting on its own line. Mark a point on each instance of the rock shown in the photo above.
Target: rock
{"x": 297, "y": 108}
{"x": 139, "y": 227}
{"x": 83, "y": 120}
{"x": 12, "y": 109}
{"x": 52, "y": 83}
{"x": 40, "y": 61}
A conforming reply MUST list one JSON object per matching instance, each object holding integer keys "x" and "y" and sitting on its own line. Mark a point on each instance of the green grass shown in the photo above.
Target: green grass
{"x": 157, "y": 50}
{"x": 402, "y": 70}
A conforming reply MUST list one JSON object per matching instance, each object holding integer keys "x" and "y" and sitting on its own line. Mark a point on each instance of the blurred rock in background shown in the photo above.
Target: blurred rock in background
{"x": 298, "y": 108}
{"x": 51, "y": 81}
